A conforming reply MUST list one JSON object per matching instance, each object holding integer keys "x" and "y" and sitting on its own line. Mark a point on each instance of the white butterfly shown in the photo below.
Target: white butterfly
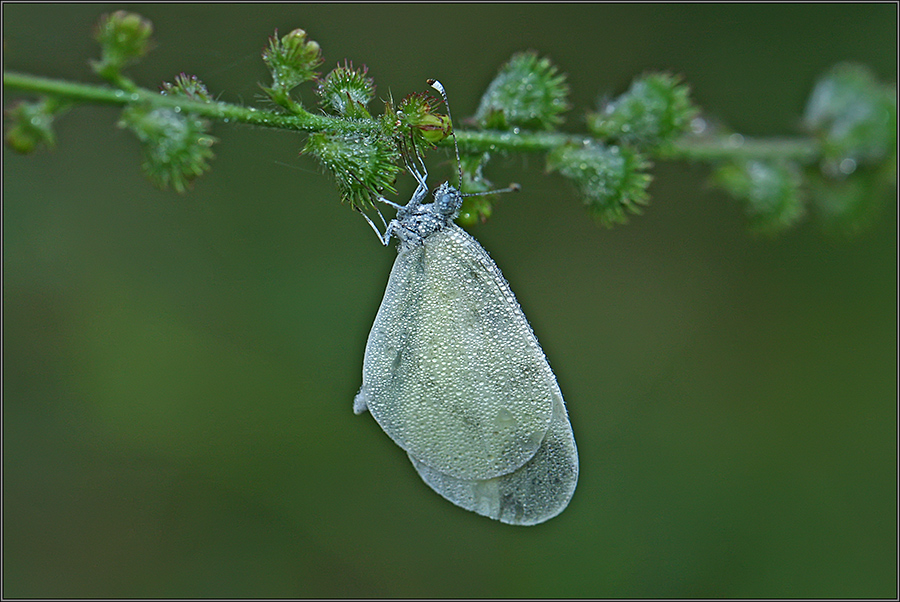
{"x": 455, "y": 376}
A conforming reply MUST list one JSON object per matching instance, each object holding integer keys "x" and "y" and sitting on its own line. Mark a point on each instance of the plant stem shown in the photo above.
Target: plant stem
{"x": 220, "y": 111}
{"x": 728, "y": 147}
{"x": 736, "y": 146}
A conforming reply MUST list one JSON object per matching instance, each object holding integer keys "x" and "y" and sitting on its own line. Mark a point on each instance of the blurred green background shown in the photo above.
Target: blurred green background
{"x": 179, "y": 370}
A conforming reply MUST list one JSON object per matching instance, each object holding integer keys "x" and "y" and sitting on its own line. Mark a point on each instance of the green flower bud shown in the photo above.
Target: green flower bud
{"x": 475, "y": 209}
{"x": 124, "y": 39}
{"x": 292, "y": 60}
{"x": 32, "y": 124}
{"x": 416, "y": 116}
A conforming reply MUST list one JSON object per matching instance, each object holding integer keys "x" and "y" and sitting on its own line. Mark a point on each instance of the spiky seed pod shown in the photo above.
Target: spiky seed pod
{"x": 346, "y": 91}
{"x": 528, "y": 93}
{"x": 654, "y": 111}
{"x": 611, "y": 179}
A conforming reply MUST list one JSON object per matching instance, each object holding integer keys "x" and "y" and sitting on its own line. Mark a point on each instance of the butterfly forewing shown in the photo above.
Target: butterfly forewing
{"x": 452, "y": 371}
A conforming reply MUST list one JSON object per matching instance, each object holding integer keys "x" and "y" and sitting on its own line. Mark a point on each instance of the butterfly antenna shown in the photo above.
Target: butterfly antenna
{"x": 511, "y": 188}
{"x": 440, "y": 88}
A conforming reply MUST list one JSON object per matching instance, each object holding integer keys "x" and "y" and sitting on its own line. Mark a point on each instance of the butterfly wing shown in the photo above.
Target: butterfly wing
{"x": 452, "y": 370}
{"x": 532, "y": 494}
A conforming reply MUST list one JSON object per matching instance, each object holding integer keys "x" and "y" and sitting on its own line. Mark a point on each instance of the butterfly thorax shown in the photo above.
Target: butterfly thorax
{"x": 417, "y": 221}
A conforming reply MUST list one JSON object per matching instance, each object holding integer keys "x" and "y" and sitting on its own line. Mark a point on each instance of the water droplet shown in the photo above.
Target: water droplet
{"x": 505, "y": 418}
{"x": 735, "y": 140}
{"x": 847, "y": 166}
{"x": 698, "y": 125}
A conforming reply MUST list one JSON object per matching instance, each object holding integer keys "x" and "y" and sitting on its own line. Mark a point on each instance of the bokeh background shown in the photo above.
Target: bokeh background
{"x": 179, "y": 370}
